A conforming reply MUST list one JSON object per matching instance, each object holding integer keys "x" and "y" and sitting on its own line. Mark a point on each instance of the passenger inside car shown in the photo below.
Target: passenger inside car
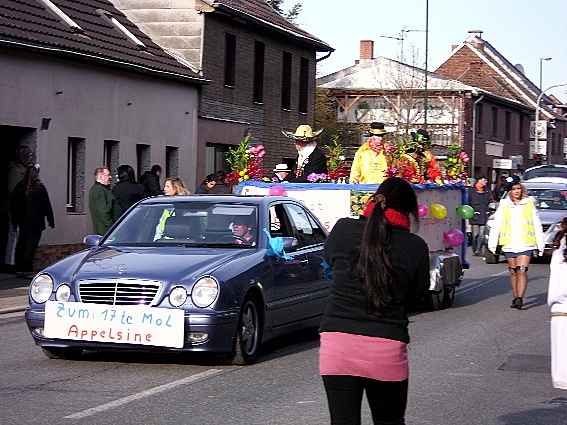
{"x": 242, "y": 230}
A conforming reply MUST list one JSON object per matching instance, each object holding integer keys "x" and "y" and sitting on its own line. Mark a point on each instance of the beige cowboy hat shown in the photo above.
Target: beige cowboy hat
{"x": 303, "y": 132}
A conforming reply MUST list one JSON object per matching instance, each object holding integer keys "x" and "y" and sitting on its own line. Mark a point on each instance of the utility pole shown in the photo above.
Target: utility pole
{"x": 425, "y": 97}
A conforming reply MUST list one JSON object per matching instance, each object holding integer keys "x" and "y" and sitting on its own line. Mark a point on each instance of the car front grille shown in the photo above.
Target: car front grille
{"x": 119, "y": 292}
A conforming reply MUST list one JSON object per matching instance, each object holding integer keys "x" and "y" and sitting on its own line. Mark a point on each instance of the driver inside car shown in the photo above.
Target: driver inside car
{"x": 242, "y": 230}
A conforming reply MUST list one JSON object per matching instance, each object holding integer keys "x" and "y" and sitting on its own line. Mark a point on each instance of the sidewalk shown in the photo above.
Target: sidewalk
{"x": 13, "y": 293}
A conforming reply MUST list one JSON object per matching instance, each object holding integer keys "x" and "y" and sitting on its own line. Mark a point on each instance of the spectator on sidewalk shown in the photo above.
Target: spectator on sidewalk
{"x": 380, "y": 271}
{"x": 127, "y": 192}
{"x": 557, "y": 301}
{"x": 207, "y": 185}
{"x": 102, "y": 204}
{"x": 479, "y": 199}
{"x": 517, "y": 229}
{"x": 150, "y": 181}
{"x": 16, "y": 172}
{"x": 30, "y": 207}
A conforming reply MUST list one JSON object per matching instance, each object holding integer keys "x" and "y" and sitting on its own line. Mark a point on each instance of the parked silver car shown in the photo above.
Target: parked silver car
{"x": 551, "y": 203}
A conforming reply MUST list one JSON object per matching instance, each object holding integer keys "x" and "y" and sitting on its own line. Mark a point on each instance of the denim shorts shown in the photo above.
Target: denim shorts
{"x": 529, "y": 253}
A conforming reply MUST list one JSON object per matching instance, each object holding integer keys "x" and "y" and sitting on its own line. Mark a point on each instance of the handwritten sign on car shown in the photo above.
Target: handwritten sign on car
{"x": 120, "y": 324}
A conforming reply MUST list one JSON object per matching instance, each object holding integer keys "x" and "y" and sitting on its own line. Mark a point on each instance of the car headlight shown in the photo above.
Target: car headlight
{"x": 205, "y": 291}
{"x": 178, "y": 296}
{"x": 63, "y": 293}
{"x": 41, "y": 288}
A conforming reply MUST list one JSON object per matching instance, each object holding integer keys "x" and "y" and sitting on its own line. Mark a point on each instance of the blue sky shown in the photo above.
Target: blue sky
{"x": 522, "y": 30}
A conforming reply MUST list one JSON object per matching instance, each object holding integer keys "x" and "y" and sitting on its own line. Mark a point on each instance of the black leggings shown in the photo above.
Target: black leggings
{"x": 387, "y": 400}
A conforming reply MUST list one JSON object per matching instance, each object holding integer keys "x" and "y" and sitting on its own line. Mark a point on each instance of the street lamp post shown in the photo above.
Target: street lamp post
{"x": 425, "y": 100}
{"x": 541, "y": 71}
{"x": 536, "y": 135}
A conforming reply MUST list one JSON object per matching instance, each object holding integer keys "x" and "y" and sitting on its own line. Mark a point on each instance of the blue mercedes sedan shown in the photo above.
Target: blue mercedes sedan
{"x": 219, "y": 274}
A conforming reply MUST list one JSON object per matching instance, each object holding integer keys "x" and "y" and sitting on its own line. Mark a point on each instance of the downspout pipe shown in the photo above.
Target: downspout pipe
{"x": 473, "y": 147}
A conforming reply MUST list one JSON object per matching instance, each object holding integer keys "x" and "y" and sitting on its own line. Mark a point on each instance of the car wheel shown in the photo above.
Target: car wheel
{"x": 62, "y": 353}
{"x": 489, "y": 257}
{"x": 248, "y": 334}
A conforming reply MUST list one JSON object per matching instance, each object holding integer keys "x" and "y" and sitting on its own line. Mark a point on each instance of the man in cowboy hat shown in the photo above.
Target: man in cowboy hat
{"x": 370, "y": 165}
{"x": 310, "y": 159}
{"x": 281, "y": 173}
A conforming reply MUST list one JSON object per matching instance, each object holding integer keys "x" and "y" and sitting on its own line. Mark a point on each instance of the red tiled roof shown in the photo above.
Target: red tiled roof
{"x": 261, "y": 12}
{"x": 26, "y": 23}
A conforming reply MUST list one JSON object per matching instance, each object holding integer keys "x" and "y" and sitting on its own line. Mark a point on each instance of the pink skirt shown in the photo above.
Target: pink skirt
{"x": 365, "y": 356}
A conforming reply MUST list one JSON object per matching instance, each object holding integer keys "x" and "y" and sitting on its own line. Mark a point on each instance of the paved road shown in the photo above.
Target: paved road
{"x": 477, "y": 363}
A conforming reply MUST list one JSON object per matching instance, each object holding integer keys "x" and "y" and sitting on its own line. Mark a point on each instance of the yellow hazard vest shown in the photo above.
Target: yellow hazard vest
{"x": 527, "y": 229}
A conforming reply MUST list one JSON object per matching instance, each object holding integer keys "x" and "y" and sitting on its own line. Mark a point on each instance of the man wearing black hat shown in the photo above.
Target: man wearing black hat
{"x": 242, "y": 230}
{"x": 370, "y": 164}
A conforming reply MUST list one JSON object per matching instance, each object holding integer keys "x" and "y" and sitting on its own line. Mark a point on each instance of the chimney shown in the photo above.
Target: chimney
{"x": 366, "y": 49}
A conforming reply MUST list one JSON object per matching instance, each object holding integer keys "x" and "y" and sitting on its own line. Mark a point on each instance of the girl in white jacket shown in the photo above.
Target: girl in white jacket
{"x": 557, "y": 301}
{"x": 518, "y": 230}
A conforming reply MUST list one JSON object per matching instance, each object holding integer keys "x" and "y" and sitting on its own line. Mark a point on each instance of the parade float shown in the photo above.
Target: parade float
{"x": 440, "y": 187}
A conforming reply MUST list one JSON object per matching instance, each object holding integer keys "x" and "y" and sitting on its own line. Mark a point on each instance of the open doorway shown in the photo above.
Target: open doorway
{"x": 19, "y": 146}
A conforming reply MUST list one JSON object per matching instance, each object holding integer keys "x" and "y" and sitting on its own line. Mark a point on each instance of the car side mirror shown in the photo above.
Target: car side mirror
{"x": 92, "y": 240}
{"x": 290, "y": 243}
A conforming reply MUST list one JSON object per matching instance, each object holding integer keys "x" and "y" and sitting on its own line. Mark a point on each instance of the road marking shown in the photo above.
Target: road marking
{"x": 147, "y": 393}
{"x": 473, "y": 287}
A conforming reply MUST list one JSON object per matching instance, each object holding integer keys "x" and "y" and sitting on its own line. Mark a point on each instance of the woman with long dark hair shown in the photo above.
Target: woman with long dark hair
{"x": 380, "y": 272}
{"x": 127, "y": 192}
{"x": 30, "y": 207}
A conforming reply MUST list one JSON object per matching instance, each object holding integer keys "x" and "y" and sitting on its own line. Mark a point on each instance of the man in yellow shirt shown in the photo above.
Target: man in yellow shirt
{"x": 370, "y": 164}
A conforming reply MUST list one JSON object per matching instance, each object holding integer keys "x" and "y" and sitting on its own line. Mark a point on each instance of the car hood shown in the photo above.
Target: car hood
{"x": 551, "y": 216}
{"x": 167, "y": 264}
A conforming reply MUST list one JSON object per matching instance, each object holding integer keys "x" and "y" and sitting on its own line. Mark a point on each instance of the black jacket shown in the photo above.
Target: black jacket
{"x": 126, "y": 195}
{"x": 315, "y": 163}
{"x": 33, "y": 209}
{"x": 479, "y": 201}
{"x": 150, "y": 181}
{"x": 347, "y": 309}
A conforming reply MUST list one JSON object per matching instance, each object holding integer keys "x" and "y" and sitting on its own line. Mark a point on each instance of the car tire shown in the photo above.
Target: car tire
{"x": 248, "y": 334}
{"x": 489, "y": 257}
{"x": 62, "y": 353}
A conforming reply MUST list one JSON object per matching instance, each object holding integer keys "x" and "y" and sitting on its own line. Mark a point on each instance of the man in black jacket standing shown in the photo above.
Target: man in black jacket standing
{"x": 479, "y": 199}
{"x": 310, "y": 159}
{"x": 150, "y": 180}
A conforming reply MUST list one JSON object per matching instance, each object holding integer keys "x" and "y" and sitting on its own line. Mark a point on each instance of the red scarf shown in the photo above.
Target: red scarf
{"x": 393, "y": 217}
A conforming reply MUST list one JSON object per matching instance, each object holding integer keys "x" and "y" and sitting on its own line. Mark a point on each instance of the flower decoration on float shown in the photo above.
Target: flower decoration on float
{"x": 335, "y": 153}
{"x": 455, "y": 165}
{"x": 245, "y": 162}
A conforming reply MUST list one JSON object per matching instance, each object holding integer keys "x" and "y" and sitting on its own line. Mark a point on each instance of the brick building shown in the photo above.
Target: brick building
{"x": 260, "y": 66}
{"x": 476, "y": 62}
{"x": 82, "y": 86}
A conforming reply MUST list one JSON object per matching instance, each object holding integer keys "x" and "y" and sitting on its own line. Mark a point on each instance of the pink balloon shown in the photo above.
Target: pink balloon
{"x": 277, "y": 191}
{"x": 453, "y": 237}
{"x": 422, "y": 210}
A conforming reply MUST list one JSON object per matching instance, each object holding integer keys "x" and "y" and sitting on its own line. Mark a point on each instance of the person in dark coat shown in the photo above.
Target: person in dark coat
{"x": 207, "y": 185}
{"x": 310, "y": 159}
{"x": 479, "y": 199}
{"x": 380, "y": 272}
{"x": 101, "y": 202}
{"x": 30, "y": 207}
{"x": 150, "y": 181}
{"x": 127, "y": 192}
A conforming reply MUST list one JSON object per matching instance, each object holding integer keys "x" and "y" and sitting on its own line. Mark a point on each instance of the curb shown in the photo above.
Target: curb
{"x": 13, "y": 309}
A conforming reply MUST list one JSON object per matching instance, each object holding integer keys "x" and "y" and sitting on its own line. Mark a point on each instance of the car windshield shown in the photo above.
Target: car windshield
{"x": 191, "y": 224}
{"x": 545, "y": 172}
{"x": 549, "y": 199}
